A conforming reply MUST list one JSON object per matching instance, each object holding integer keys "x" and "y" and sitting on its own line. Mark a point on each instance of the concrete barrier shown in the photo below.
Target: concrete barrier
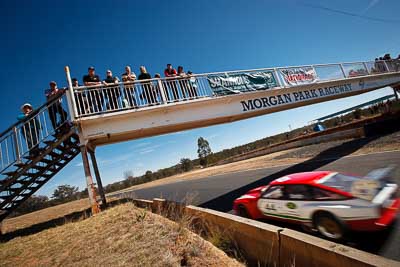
{"x": 262, "y": 244}
{"x": 257, "y": 242}
{"x": 299, "y": 249}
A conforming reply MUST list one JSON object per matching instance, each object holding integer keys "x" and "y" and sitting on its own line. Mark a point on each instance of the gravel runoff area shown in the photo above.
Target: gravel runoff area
{"x": 121, "y": 236}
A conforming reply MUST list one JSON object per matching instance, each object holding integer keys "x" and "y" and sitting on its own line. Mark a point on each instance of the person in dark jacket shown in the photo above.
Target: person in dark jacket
{"x": 147, "y": 92}
{"x": 30, "y": 129}
{"x": 95, "y": 95}
{"x": 55, "y": 107}
{"x": 112, "y": 92}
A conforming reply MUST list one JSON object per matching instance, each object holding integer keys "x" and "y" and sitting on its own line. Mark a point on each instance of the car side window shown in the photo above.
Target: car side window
{"x": 274, "y": 192}
{"x": 321, "y": 194}
{"x": 297, "y": 192}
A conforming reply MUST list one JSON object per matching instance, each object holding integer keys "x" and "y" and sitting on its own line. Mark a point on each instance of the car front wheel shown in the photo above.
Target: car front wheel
{"x": 242, "y": 211}
{"x": 328, "y": 226}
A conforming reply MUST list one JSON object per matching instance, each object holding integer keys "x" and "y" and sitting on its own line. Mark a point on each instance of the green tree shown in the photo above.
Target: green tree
{"x": 186, "y": 164}
{"x": 203, "y": 150}
{"x": 148, "y": 176}
{"x": 33, "y": 203}
{"x": 65, "y": 192}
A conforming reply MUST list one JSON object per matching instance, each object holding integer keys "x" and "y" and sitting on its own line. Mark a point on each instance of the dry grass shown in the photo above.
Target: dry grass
{"x": 121, "y": 236}
{"x": 45, "y": 215}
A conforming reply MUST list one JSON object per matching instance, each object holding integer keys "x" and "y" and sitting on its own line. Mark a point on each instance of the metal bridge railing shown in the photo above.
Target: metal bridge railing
{"x": 25, "y": 136}
{"x": 133, "y": 95}
{"x": 102, "y": 99}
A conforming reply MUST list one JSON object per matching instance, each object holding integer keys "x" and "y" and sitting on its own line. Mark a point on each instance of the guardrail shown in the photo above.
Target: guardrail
{"x": 25, "y": 136}
{"x": 121, "y": 96}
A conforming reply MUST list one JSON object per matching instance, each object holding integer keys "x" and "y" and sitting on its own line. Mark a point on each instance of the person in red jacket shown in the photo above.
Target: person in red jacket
{"x": 171, "y": 72}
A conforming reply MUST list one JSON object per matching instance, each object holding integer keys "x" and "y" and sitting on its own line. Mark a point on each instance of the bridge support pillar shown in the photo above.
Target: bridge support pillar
{"x": 98, "y": 178}
{"x": 89, "y": 181}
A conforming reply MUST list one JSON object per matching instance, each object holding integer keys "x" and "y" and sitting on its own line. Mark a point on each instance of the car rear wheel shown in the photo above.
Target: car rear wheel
{"x": 242, "y": 211}
{"x": 328, "y": 226}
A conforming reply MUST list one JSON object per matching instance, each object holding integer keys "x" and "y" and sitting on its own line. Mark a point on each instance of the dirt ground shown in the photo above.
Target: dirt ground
{"x": 121, "y": 236}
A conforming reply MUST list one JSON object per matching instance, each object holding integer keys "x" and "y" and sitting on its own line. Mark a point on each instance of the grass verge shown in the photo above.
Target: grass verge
{"x": 121, "y": 236}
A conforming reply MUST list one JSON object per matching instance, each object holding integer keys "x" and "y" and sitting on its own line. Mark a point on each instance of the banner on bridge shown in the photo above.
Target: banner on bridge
{"x": 231, "y": 83}
{"x": 298, "y": 76}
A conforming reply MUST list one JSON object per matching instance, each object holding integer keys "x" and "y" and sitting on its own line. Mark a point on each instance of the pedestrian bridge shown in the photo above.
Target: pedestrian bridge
{"x": 119, "y": 112}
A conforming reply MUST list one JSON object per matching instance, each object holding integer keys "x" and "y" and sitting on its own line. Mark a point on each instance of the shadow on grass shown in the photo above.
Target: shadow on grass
{"x": 72, "y": 217}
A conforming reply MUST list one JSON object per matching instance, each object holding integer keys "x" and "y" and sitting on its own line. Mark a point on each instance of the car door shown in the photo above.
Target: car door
{"x": 295, "y": 203}
{"x": 270, "y": 202}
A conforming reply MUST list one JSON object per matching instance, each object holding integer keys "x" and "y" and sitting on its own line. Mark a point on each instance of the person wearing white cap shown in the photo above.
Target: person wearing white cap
{"x": 31, "y": 129}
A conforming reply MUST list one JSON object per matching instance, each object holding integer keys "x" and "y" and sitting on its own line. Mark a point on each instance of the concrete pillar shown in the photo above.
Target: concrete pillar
{"x": 98, "y": 178}
{"x": 89, "y": 181}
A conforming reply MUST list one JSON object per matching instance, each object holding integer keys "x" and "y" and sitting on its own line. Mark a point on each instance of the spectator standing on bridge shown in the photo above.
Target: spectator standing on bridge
{"x": 129, "y": 89}
{"x": 192, "y": 85}
{"x": 95, "y": 96}
{"x": 112, "y": 91}
{"x": 55, "y": 106}
{"x": 31, "y": 129}
{"x": 183, "y": 82}
{"x": 170, "y": 72}
{"x": 80, "y": 98}
{"x": 156, "y": 87}
{"x": 147, "y": 92}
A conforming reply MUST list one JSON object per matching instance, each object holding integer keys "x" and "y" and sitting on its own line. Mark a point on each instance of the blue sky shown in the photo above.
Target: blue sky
{"x": 39, "y": 38}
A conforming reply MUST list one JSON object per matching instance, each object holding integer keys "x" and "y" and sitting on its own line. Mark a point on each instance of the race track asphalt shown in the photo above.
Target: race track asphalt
{"x": 218, "y": 192}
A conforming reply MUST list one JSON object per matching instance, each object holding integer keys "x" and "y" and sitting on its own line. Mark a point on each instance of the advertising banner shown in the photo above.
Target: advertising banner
{"x": 298, "y": 76}
{"x": 230, "y": 83}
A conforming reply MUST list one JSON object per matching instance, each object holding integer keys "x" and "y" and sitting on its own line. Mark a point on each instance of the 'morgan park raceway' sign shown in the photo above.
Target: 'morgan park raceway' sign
{"x": 228, "y": 83}
{"x": 293, "y": 97}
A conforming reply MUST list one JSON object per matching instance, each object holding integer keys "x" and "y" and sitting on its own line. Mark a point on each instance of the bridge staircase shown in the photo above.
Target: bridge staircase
{"x": 25, "y": 170}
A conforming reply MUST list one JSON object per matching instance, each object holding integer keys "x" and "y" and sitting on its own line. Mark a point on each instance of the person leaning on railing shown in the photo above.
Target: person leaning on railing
{"x": 95, "y": 95}
{"x": 80, "y": 99}
{"x": 147, "y": 92}
{"x": 171, "y": 72}
{"x": 55, "y": 107}
{"x": 112, "y": 92}
{"x": 129, "y": 89}
{"x": 156, "y": 90}
{"x": 30, "y": 130}
{"x": 193, "y": 85}
{"x": 183, "y": 82}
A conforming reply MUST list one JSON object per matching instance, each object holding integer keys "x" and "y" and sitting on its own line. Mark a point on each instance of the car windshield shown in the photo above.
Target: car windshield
{"x": 340, "y": 181}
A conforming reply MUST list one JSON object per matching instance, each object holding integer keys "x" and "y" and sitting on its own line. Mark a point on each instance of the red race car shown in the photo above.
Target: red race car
{"x": 326, "y": 201}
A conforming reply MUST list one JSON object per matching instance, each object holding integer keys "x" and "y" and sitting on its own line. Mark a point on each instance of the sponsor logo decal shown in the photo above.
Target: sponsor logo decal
{"x": 291, "y": 205}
